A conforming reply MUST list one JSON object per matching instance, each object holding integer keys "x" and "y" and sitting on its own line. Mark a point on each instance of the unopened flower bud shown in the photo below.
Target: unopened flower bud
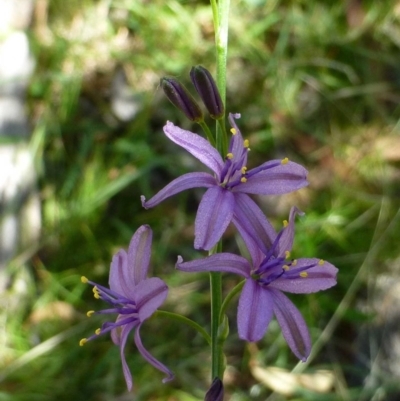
{"x": 216, "y": 391}
{"x": 182, "y": 99}
{"x": 208, "y": 91}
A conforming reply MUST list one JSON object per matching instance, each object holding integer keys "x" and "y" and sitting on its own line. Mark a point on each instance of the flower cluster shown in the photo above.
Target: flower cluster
{"x": 271, "y": 271}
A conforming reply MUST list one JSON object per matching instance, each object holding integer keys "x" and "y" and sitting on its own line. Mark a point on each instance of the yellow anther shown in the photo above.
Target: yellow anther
{"x": 83, "y": 342}
{"x": 246, "y": 143}
{"x": 89, "y": 313}
{"x": 321, "y": 262}
{"x": 96, "y": 293}
{"x": 97, "y": 332}
{"x": 285, "y": 161}
{"x": 243, "y": 170}
{"x": 229, "y": 156}
{"x": 294, "y": 262}
{"x": 285, "y": 223}
{"x": 285, "y": 267}
{"x": 287, "y": 254}
{"x": 84, "y": 280}
{"x": 233, "y": 130}
{"x": 303, "y": 274}
{"x": 243, "y": 179}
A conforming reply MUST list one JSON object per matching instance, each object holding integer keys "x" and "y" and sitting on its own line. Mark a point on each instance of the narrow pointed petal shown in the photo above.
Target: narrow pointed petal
{"x": 150, "y": 358}
{"x": 118, "y": 269}
{"x": 186, "y": 181}
{"x": 149, "y": 296}
{"x": 219, "y": 262}
{"x": 320, "y": 277}
{"x": 236, "y": 144}
{"x": 128, "y": 269}
{"x": 294, "y": 328}
{"x": 196, "y": 145}
{"x": 254, "y": 311}
{"x": 214, "y": 214}
{"x": 255, "y": 229}
{"x": 286, "y": 239}
{"x": 139, "y": 253}
{"x": 281, "y": 179}
{"x": 125, "y": 368}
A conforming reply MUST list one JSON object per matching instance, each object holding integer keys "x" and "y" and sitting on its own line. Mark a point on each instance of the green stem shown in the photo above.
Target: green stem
{"x": 221, "y": 18}
{"x": 220, "y": 11}
{"x": 189, "y": 322}
{"x": 235, "y": 290}
{"x": 217, "y": 356}
{"x": 208, "y": 132}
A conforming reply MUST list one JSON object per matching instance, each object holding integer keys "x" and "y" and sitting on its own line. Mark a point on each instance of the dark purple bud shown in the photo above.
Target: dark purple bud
{"x": 216, "y": 391}
{"x": 182, "y": 99}
{"x": 208, "y": 91}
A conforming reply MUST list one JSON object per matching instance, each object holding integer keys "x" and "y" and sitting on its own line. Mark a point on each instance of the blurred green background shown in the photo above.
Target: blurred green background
{"x": 317, "y": 81}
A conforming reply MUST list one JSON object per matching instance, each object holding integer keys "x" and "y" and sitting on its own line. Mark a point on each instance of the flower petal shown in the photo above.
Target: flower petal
{"x": 196, "y": 145}
{"x": 320, "y": 277}
{"x": 281, "y": 179}
{"x": 127, "y": 270}
{"x": 254, "y": 311}
{"x": 149, "y": 296}
{"x": 214, "y": 214}
{"x": 219, "y": 262}
{"x": 119, "y": 276}
{"x": 294, "y": 328}
{"x": 139, "y": 253}
{"x": 236, "y": 145}
{"x": 186, "y": 181}
{"x": 256, "y": 231}
{"x": 125, "y": 368}
{"x": 286, "y": 240}
{"x": 150, "y": 358}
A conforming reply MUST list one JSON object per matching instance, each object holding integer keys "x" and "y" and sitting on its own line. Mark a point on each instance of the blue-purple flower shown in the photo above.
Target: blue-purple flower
{"x": 226, "y": 197}
{"x": 269, "y": 275}
{"x": 132, "y": 296}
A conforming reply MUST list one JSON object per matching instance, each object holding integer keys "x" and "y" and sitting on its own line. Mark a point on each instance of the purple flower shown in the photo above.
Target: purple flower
{"x": 267, "y": 277}
{"x": 133, "y": 296}
{"x": 226, "y": 198}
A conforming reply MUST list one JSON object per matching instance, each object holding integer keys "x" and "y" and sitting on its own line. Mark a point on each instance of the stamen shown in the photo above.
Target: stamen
{"x": 304, "y": 274}
{"x": 243, "y": 179}
{"x": 285, "y": 267}
{"x": 83, "y": 342}
{"x": 97, "y": 332}
{"x": 287, "y": 254}
{"x": 243, "y": 170}
{"x": 285, "y": 161}
{"x": 294, "y": 262}
{"x": 321, "y": 262}
{"x": 84, "y": 280}
{"x": 233, "y": 130}
{"x": 246, "y": 143}
{"x": 285, "y": 223}
{"x": 229, "y": 156}
{"x": 89, "y": 313}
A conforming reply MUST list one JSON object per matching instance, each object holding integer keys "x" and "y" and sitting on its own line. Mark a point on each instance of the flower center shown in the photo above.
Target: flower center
{"x": 124, "y": 307}
{"x": 234, "y": 171}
